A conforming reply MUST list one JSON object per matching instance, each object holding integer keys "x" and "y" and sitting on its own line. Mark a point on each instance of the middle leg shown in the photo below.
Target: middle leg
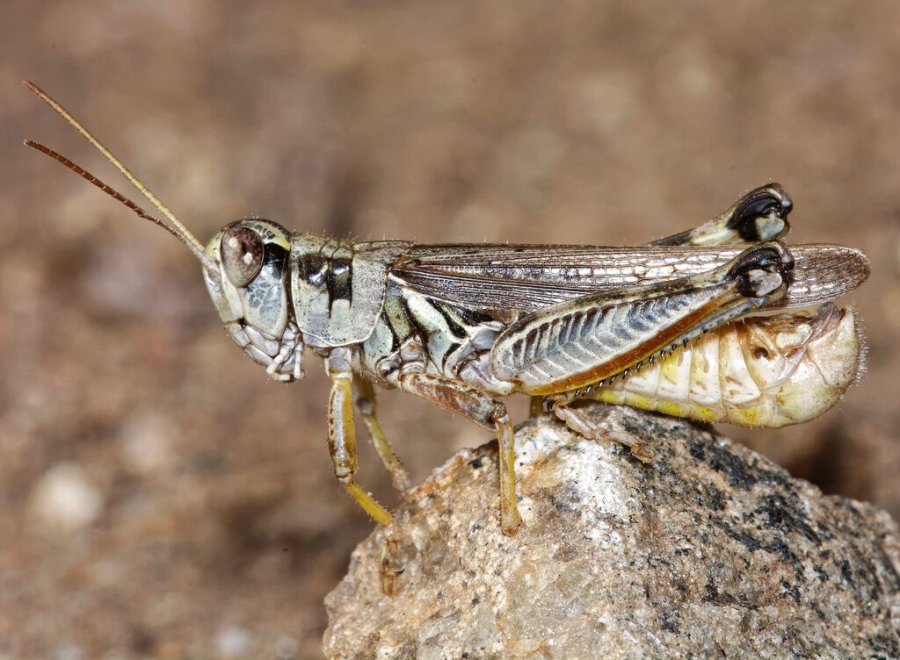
{"x": 365, "y": 405}
{"x": 488, "y": 413}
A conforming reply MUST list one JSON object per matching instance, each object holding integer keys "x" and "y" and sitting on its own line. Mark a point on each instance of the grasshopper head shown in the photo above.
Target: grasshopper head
{"x": 244, "y": 265}
{"x": 249, "y": 287}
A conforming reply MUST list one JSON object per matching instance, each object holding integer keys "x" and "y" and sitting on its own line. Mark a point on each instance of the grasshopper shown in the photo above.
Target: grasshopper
{"x": 465, "y": 325}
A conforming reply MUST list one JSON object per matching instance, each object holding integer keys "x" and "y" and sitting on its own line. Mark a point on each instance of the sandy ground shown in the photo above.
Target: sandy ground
{"x": 159, "y": 497}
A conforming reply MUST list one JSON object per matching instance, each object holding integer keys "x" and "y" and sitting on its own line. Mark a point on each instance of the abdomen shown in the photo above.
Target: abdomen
{"x": 765, "y": 371}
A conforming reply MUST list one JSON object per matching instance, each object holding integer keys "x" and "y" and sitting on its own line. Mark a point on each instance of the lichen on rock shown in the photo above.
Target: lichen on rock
{"x": 653, "y": 537}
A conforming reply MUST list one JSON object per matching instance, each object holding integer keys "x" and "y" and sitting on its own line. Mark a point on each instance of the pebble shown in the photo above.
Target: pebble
{"x": 233, "y": 642}
{"x": 66, "y": 499}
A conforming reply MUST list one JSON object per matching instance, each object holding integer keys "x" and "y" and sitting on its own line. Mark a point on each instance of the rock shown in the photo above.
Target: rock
{"x": 697, "y": 547}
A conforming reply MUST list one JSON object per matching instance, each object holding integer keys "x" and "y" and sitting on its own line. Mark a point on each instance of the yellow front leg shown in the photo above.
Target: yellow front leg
{"x": 342, "y": 435}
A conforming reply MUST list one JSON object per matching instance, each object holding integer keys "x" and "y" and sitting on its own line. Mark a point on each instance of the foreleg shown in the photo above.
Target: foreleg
{"x": 342, "y": 434}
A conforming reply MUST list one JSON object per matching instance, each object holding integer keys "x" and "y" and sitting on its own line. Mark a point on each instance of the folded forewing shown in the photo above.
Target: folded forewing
{"x": 525, "y": 278}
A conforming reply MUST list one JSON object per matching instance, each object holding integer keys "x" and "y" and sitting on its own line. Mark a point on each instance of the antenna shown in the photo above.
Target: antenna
{"x": 171, "y": 223}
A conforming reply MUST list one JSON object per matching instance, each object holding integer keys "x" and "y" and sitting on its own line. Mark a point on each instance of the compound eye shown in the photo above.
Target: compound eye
{"x": 242, "y": 255}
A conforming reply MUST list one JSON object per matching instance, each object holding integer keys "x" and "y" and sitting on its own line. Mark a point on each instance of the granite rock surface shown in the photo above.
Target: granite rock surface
{"x": 653, "y": 537}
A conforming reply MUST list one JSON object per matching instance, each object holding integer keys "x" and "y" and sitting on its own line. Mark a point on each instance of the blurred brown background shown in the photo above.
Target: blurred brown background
{"x": 159, "y": 496}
